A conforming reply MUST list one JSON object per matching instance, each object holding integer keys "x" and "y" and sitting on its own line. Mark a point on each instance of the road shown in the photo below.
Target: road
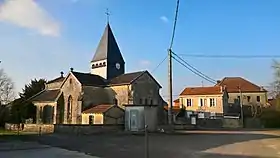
{"x": 195, "y": 144}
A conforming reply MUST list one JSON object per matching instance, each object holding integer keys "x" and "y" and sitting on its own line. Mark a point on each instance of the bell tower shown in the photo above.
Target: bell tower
{"x": 107, "y": 60}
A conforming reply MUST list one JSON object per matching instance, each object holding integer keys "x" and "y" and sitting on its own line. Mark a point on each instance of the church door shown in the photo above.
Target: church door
{"x": 134, "y": 115}
{"x": 91, "y": 119}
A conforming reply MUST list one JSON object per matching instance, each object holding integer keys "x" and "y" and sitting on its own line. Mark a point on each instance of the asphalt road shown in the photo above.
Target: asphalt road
{"x": 198, "y": 144}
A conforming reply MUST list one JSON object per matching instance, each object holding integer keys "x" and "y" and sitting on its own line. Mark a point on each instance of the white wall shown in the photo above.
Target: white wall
{"x": 101, "y": 71}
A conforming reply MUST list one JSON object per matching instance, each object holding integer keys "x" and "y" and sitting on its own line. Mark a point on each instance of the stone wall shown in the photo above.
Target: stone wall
{"x": 232, "y": 123}
{"x": 87, "y": 129}
{"x": 30, "y": 128}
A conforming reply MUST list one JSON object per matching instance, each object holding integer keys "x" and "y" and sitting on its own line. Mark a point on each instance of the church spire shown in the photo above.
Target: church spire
{"x": 107, "y": 60}
{"x": 108, "y": 47}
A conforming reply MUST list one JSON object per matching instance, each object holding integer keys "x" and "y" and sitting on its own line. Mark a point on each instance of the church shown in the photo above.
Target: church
{"x": 71, "y": 99}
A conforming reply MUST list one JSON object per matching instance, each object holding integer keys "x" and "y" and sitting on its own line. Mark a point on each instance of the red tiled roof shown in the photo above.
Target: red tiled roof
{"x": 97, "y": 109}
{"x": 175, "y": 109}
{"x": 202, "y": 90}
{"x": 232, "y": 84}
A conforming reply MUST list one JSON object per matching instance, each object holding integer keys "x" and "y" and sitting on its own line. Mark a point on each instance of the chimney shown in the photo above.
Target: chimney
{"x": 61, "y": 74}
{"x": 71, "y": 69}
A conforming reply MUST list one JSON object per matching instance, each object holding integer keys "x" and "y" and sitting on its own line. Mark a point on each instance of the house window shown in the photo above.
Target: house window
{"x": 91, "y": 119}
{"x": 258, "y": 98}
{"x": 238, "y": 98}
{"x": 212, "y": 102}
{"x": 248, "y": 98}
{"x": 189, "y": 102}
{"x": 201, "y": 101}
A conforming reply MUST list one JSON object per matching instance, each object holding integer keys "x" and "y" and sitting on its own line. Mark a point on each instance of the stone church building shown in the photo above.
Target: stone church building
{"x": 66, "y": 98}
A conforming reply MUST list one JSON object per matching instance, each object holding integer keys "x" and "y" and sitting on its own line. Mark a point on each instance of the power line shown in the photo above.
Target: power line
{"x": 196, "y": 70}
{"x": 211, "y": 81}
{"x": 159, "y": 64}
{"x": 175, "y": 23}
{"x": 229, "y": 56}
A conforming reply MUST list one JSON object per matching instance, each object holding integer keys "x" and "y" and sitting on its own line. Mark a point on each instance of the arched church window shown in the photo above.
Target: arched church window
{"x": 104, "y": 63}
{"x": 69, "y": 107}
{"x": 100, "y": 64}
{"x": 92, "y": 66}
{"x": 70, "y": 81}
{"x": 115, "y": 101}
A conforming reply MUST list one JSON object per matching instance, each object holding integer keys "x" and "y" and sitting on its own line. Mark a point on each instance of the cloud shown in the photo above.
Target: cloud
{"x": 28, "y": 14}
{"x": 164, "y": 19}
{"x": 144, "y": 63}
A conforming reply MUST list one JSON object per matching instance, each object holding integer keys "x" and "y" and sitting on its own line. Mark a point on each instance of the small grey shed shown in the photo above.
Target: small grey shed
{"x": 137, "y": 116}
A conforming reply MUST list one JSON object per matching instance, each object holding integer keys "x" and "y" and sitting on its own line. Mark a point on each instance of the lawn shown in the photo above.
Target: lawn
{"x": 5, "y": 132}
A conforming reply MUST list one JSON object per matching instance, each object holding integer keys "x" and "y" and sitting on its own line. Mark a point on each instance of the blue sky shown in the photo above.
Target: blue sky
{"x": 43, "y": 37}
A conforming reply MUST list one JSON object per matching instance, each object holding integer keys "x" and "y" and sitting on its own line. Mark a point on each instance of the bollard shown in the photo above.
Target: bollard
{"x": 40, "y": 131}
{"x": 146, "y": 142}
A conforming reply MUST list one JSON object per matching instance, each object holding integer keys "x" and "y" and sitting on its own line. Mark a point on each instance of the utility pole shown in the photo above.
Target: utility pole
{"x": 241, "y": 105}
{"x": 170, "y": 106}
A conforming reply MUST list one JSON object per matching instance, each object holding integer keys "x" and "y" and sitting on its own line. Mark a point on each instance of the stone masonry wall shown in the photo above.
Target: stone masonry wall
{"x": 30, "y": 128}
{"x": 87, "y": 129}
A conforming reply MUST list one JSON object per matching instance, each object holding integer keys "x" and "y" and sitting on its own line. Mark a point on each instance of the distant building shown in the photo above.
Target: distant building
{"x": 251, "y": 93}
{"x": 208, "y": 101}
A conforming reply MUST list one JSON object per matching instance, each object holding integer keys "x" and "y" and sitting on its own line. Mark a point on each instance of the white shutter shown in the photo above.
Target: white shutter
{"x": 209, "y": 102}
{"x": 215, "y": 101}
{"x": 199, "y": 103}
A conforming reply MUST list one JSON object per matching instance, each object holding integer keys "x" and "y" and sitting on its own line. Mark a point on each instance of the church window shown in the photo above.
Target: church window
{"x": 70, "y": 81}
{"x": 140, "y": 101}
{"x": 151, "y": 101}
{"x": 146, "y": 101}
{"x": 93, "y": 66}
{"x": 116, "y": 101}
{"x": 69, "y": 107}
{"x": 104, "y": 63}
{"x": 100, "y": 64}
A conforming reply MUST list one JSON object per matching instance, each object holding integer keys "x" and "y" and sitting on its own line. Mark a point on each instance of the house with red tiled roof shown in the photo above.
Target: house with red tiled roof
{"x": 240, "y": 89}
{"x": 207, "y": 101}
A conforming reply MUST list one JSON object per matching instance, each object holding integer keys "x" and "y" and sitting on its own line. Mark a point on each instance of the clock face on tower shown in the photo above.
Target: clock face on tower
{"x": 118, "y": 66}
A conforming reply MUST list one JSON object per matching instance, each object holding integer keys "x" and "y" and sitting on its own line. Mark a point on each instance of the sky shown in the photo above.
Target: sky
{"x": 40, "y": 38}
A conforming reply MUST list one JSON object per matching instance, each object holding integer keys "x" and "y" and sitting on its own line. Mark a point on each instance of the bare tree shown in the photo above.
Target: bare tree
{"x": 6, "y": 88}
{"x": 276, "y": 83}
{"x": 255, "y": 110}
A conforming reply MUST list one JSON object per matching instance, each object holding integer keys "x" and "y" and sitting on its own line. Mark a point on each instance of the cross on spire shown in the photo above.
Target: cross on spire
{"x": 108, "y": 15}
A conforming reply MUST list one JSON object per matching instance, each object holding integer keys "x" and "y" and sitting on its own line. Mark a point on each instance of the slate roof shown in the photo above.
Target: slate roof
{"x": 108, "y": 48}
{"x": 126, "y": 78}
{"x": 47, "y": 95}
{"x": 232, "y": 84}
{"x": 59, "y": 79}
{"x": 87, "y": 79}
{"x": 202, "y": 90}
{"x": 97, "y": 109}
